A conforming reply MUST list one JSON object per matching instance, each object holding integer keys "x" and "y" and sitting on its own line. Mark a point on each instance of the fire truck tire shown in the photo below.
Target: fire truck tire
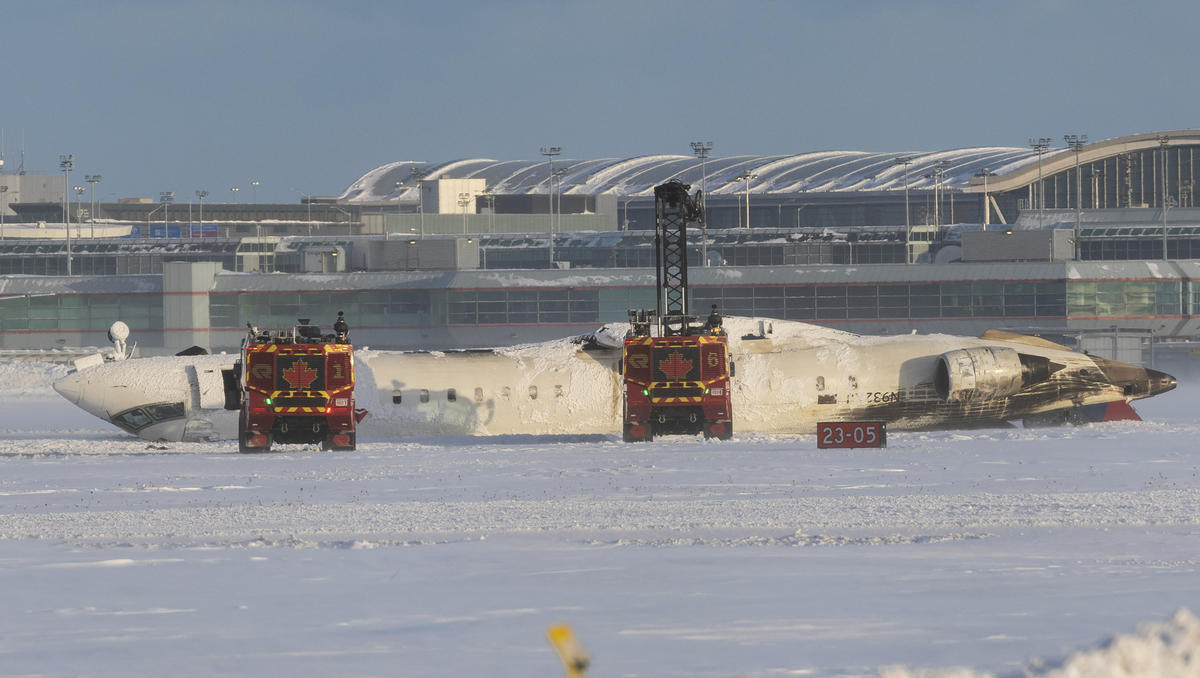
{"x": 628, "y": 436}
{"x": 244, "y": 447}
{"x": 725, "y": 433}
{"x": 328, "y": 442}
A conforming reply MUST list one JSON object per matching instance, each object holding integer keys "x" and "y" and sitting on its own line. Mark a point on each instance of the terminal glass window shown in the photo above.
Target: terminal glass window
{"x": 1168, "y": 297}
{"x": 800, "y": 302}
{"x": 1050, "y": 299}
{"x": 831, "y": 302}
{"x": 987, "y": 299}
{"x": 1117, "y": 298}
{"x": 956, "y": 300}
{"x": 522, "y": 307}
{"x": 373, "y": 308}
{"x": 768, "y": 301}
{"x": 1020, "y": 300}
{"x": 71, "y": 312}
{"x": 861, "y": 301}
{"x": 893, "y": 301}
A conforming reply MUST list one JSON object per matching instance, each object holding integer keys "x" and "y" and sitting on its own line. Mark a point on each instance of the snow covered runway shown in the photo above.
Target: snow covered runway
{"x": 762, "y": 556}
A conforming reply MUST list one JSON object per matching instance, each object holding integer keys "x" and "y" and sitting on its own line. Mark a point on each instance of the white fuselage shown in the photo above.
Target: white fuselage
{"x": 787, "y": 377}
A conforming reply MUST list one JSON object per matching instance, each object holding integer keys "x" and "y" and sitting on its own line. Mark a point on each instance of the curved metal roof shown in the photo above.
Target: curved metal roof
{"x": 823, "y": 171}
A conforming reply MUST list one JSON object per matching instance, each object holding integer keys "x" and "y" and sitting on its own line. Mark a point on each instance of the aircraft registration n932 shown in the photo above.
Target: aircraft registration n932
{"x": 787, "y": 376}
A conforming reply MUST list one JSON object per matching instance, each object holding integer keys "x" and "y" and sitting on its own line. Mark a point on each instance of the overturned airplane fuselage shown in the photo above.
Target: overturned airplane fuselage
{"x": 787, "y": 377}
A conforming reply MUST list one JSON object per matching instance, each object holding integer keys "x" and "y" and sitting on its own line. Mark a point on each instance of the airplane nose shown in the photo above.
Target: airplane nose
{"x": 1160, "y": 382}
{"x": 70, "y": 387}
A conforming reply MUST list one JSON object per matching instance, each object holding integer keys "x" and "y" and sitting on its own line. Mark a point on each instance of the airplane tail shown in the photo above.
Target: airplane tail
{"x": 1118, "y": 410}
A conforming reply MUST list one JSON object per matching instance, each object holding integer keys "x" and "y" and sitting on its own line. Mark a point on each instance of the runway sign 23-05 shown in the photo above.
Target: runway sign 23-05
{"x": 851, "y": 434}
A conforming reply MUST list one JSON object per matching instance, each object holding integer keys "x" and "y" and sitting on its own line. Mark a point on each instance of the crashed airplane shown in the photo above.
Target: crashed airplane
{"x": 787, "y": 377}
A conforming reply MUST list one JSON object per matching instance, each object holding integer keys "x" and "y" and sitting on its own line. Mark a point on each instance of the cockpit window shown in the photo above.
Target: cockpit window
{"x": 165, "y": 411}
{"x": 139, "y": 418}
{"x": 132, "y": 420}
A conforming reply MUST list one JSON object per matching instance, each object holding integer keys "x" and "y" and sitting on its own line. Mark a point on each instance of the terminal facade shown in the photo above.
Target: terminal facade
{"x": 482, "y": 252}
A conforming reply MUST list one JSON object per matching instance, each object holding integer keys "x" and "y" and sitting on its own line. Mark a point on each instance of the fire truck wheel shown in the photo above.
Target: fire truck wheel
{"x": 339, "y": 441}
{"x": 643, "y": 433}
{"x": 245, "y": 446}
{"x": 719, "y": 430}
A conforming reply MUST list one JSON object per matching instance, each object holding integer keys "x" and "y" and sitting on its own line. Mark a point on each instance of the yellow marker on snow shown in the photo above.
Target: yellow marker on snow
{"x": 574, "y": 660}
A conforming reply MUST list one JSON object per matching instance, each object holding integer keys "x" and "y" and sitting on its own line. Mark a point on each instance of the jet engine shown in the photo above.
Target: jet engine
{"x": 983, "y": 373}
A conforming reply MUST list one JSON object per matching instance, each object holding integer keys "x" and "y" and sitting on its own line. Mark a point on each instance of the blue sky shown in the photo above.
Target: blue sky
{"x": 306, "y": 95}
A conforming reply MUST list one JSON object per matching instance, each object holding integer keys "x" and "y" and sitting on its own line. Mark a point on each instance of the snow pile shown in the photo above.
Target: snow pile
{"x": 20, "y": 379}
{"x": 1169, "y": 649}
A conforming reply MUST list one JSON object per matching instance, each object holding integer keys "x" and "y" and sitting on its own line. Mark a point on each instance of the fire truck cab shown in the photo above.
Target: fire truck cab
{"x": 677, "y": 384}
{"x": 295, "y": 386}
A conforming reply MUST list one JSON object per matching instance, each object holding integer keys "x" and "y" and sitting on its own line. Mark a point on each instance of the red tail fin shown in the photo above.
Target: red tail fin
{"x": 1120, "y": 411}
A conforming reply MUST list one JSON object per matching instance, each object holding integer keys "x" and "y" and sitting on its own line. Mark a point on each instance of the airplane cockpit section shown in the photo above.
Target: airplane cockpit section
{"x": 163, "y": 416}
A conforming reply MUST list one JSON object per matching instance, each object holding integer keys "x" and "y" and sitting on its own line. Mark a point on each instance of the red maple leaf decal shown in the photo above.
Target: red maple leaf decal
{"x": 300, "y": 375}
{"x": 675, "y": 366}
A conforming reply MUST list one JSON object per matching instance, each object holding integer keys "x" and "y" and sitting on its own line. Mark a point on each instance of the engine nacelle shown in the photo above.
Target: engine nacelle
{"x": 979, "y": 373}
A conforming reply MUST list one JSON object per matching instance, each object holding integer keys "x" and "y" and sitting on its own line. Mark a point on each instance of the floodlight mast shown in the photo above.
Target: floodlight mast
{"x": 1076, "y": 142}
{"x": 905, "y": 160}
{"x": 1163, "y": 142}
{"x": 92, "y": 180}
{"x": 550, "y": 152}
{"x": 746, "y": 176}
{"x": 202, "y": 194}
{"x": 79, "y": 191}
{"x": 418, "y": 175}
{"x": 1040, "y": 145}
{"x": 702, "y": 149}
{"x": 66, "y": 163}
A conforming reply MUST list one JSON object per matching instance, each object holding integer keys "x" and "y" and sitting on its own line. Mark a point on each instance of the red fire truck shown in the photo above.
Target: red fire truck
{"x": 297, "y": 386}
{"x": 677, "y": 385}
{"x": 676, "y": 370}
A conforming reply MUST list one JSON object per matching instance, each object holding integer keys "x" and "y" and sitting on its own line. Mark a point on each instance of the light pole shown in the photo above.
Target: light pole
{"x": 201, "y": 194}
{"x": 92, "y": 180}
{"x": 1163, "y": 141}
{"x": 987, "y": 205}
{"x": 558, "y": 173}
{"x": 254, "y": 190}
{"x": 306, "y": 199}
{"x": 940, "y": 174}
{"x": 3, "y": 206}
{"x": 234, "y": 190}
{"x": 464, "y": 199}
{"x": 905, "y": 160}
{"x": 148, "y": 215}
{"x": 746, "y": 176}
{"x": 1076, "y": 142}
{"x": 66, "y": 163}
{"x": 550, "y": 152}
{"x": 349, "y": 226}
{"x": 1040, "y": 145}
{"x": 702, "y": 149}
{"x": 419, "y": 174}
{"x": 79, "y": 191}
{"x": 491, "y": 198}
{"x": 387, "y": 232}
{"x": 166, "y": 198}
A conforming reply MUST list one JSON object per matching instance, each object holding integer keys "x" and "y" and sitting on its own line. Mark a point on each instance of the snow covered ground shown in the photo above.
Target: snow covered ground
{"x": 762, "y": 556}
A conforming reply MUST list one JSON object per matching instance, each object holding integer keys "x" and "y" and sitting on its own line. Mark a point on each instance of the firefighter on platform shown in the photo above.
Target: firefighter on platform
{"x": 713, "y": 324}
{"x": 341, "y": 329}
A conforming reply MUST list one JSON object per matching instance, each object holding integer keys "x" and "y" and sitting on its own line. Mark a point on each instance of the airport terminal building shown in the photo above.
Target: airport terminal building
{"x": 1065, "y": 242}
